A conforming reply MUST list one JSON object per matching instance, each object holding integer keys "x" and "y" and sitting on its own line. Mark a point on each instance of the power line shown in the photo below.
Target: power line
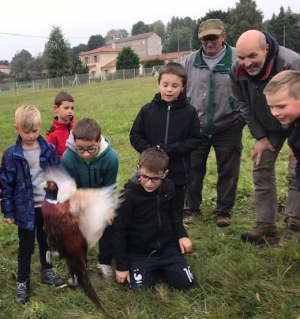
{"x": 37, "y": 36}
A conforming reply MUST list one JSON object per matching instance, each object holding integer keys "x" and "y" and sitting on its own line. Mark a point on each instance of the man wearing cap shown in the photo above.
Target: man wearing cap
{"x": 209, "y": 91}
{"x": 259, "y": 58}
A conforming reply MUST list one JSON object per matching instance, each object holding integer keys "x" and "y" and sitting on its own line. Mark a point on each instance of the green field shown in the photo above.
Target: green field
{"x": 234, "y": 280}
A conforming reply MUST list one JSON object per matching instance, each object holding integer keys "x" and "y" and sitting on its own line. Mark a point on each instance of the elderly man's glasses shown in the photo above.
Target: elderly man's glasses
{"x": 90, "y": 150}
{"x": 206, "y": 40}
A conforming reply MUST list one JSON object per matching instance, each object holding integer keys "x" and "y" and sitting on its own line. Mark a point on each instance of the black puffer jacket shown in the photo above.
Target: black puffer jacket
{"x": 176, "y": 129}
{"x": 145, "y": 221}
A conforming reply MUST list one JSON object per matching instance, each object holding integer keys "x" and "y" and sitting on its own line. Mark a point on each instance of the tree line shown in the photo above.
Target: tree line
{"x": 179, "y": 34}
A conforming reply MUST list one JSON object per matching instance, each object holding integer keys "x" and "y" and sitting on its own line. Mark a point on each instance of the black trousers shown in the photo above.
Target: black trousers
{"x": 26, "y": 246}
{"x": 179, "y": 198}
{"x": 228, "y": 149}
{"x": 170, "y": 263}
{"x": 106, "y": 247}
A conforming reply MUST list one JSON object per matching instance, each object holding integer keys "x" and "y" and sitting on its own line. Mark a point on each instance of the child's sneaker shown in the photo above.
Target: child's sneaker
{"x": 105, "y": 271}
{"x": 72, "y": 282}
{"x": 22, "y": 295}
{"x": 50, "y": 276}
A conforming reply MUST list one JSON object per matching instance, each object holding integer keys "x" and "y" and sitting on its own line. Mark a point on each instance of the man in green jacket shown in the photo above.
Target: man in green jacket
{"x": 259, "y": 58}
{"x": 209, "y": 91}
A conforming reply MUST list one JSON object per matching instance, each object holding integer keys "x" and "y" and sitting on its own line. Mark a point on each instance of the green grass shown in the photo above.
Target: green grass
{"x": 234, "y": 279}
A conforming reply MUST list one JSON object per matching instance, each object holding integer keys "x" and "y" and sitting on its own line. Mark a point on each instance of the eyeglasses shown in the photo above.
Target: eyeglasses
{"x": 90, "y": 150}
{"x": 155, "y": 179}
{"x": 206, "y": 40}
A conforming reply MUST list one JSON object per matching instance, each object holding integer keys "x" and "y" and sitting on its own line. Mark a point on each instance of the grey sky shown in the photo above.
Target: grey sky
{"x": 86, "y": 18}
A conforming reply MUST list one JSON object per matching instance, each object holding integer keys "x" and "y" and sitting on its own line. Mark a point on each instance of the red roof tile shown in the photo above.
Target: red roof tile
{"x": 103, "y": 49}
{"x": 134, "y": 37}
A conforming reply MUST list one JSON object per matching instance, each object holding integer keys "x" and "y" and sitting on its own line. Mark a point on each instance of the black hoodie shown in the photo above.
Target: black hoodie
{"x": 176, "y": 129}
{"x": 145, "y": 221}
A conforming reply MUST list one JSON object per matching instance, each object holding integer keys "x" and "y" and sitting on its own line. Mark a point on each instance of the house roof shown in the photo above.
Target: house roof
{"x": 134, "y": 37}
{"x": 165, "y": 56}
{"x": 103, "y": 49}
{"x": 110, "y": 64}
{"x": 5, "y": 67}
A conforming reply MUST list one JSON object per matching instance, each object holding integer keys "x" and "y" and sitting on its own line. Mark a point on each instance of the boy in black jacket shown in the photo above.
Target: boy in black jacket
{"x": 283, "y": 97}
{"x": 170, "y": 123}
{"x": 148, "y": 233}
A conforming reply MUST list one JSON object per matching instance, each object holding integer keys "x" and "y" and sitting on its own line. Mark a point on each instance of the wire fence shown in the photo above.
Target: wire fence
{"x": 17, "y": 87}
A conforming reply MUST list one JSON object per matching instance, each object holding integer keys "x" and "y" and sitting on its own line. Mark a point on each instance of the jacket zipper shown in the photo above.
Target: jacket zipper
{"x": 167, "y": 124}
{"x": 159, "y": 220}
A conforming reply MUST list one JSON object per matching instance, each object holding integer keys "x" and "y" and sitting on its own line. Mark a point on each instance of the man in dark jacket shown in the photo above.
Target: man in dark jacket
{"x": 259, "y": 59}
{"x": 148, "y": 233}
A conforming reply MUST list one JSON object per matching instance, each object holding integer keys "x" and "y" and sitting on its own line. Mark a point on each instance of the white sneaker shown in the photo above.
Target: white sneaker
{"x": 105, "y": 271}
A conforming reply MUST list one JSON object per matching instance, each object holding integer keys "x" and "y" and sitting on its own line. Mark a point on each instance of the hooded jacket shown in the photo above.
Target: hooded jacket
{"x": 99, "y": 172}
{"x": 248, "y": 90}
{"x": 145, "y": 221}
{"x": 58, "y": 135}
{"x": 176, "y": 129}
{"x": 17, "y": 192}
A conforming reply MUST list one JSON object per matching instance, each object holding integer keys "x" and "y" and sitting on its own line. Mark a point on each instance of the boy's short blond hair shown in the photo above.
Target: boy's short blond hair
{"x": 286, "y": 80}
{"x": 27, "y": 117}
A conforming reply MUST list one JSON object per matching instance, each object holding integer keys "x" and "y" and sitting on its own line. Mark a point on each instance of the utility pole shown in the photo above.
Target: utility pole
{"x": 178, "y": 40}
{"x": 284, "y": 35}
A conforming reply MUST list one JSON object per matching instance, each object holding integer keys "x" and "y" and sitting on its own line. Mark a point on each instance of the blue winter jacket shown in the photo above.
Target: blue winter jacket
{"x": 17, "y": 193}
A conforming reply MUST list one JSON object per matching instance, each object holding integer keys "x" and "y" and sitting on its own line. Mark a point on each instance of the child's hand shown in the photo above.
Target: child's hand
{"x": 9, "y": 221}
{"x": 185, "y": 245}
{"x": 122, "y": 276}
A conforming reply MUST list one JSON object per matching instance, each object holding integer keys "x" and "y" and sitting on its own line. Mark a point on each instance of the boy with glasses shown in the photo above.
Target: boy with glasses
{"x": 93, "y": 163}
{"x": 149, "y": 235}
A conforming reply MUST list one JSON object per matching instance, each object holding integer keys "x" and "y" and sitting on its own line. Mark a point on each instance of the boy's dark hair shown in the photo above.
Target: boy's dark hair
{"x": 173, "y": 68}
{"x": 63, "y": 96}
{"x": 154, "y": 159}
{"x": 87, "y": 129}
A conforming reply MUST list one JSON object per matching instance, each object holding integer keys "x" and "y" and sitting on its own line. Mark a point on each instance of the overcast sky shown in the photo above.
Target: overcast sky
{"x": 82, "y": 19}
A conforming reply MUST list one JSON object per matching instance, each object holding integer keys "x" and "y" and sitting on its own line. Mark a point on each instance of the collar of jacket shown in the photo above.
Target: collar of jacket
{"x": 242, "y": 74}
{"x": 223, "y": 66}
{"x": 18, "y": 151}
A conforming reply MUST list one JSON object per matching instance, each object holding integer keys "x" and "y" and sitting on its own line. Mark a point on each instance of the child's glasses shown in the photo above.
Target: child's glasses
{"x": 90, "y": 150}
{"x": 145, "y": 178}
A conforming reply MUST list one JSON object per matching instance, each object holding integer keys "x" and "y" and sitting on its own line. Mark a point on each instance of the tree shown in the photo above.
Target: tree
{"x": 127, "y": 59}
{"x": 245, "y": 16}
{"x": 21, "y": 62}
{"x": 58, "y": 54}
{"x": 38, "y": 64}
{"x": 95, "y": 41}
{"x": 78, "y": 67}
{"x": 154, "y": 62}
{"x": 78, "y": 49}
{"x": 159, "y": 28}
{"x": 139, "y": 28}
{"x": 116, "y": 34}
{"x": 4, "y": 62}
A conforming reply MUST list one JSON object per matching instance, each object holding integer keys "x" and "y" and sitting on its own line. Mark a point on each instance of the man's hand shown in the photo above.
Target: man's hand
{"x": 122, "y": 276}
{"x": 185, "y": 245}
{"x": 9, "y": 221}
{"x": 259, "y": 147}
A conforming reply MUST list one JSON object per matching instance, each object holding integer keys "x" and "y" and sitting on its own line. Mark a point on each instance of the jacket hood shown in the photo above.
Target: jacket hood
{"x": 181, "y": 101}
{"x": 70, "y": 143}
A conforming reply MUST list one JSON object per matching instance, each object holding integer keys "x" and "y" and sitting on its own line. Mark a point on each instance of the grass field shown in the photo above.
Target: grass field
{"x": 234, "y": 280}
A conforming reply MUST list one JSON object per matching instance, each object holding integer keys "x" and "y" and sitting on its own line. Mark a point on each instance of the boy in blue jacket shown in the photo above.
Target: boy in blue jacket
{"x": 22, "y": 174}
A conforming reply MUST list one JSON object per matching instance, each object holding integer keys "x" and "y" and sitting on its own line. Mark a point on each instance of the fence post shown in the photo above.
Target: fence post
{"x": 48, "y": 83}
{"x": 62, "y": 81}
{"x": 32, "y": 85}
{"x": 123, "y": 74}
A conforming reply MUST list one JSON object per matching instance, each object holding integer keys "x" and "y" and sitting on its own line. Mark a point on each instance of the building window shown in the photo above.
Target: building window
{"x": 95, "y": 58}
{"x": 86, "y": 59}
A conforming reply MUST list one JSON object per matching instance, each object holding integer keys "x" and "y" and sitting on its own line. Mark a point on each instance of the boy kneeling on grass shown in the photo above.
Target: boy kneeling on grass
{"x": 283, "y": 96}
{"x": 149, "y": 235}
